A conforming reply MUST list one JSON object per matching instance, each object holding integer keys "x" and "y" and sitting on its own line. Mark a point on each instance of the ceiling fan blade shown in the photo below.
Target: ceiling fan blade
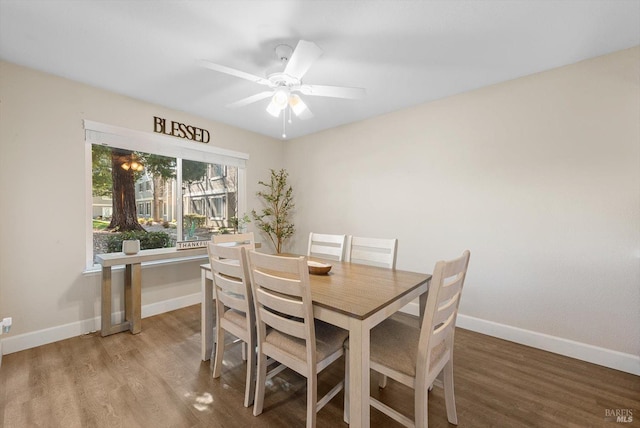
{"x": 233, "y": 72}
{"x": 305, "y": 54}
{"x": 252, "y": 99}
{"x": 333, "y": 91}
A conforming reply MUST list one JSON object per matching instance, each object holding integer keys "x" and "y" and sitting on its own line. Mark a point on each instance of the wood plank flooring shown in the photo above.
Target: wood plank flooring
{"x": 156, "y": 379}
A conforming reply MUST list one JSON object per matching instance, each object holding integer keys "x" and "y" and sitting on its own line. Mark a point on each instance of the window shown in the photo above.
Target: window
{"x": 218, "y": 171}
{"x": 185, "y": 190}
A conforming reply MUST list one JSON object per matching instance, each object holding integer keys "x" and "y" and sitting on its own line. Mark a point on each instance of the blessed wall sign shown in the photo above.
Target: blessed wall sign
{"x": 180, "y": 130}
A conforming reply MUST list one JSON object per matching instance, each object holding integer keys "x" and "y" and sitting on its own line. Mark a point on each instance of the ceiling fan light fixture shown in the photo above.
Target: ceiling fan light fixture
{"x": 280, "y": 98}
{"x": 279, "y": 101}
{"x": 297, "y": 105}
{"x": 273, "y": 109}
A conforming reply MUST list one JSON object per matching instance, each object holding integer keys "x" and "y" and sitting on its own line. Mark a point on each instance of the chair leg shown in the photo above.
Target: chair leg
{"x": 346, "y": 385}
{"x": 213, "y": 348}
{"x": 312, "y": 399}
{"x": 421, "y": 398}
{"x": 261, "y": 378}
{"x": 250, "y": 385}
{"x": 217, "y": 365}
{"x": 244, "y": 351}
{"x": 449, "y": 397}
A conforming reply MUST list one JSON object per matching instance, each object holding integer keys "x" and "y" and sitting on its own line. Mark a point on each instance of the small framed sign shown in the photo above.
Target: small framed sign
{"x": 186, "y": 245}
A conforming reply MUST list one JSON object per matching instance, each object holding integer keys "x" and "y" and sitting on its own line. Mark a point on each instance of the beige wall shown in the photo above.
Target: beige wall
{"x": 539, "y": 177}
{"x": 42, "y": 165}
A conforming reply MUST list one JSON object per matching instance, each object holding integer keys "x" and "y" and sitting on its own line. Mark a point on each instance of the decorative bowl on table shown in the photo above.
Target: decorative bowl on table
{"x": 317, "y": 268}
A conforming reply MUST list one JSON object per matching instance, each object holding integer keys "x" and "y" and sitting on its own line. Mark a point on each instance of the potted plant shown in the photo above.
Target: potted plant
{"x": 239, "y": 225}
{"x": 273, "y": 220}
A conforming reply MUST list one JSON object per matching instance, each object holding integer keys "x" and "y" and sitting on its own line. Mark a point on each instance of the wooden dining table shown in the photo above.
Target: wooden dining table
{"x": 351, "y": 296}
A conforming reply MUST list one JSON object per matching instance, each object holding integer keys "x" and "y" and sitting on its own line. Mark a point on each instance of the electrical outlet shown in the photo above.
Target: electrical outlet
{"x": 6, "y": 324}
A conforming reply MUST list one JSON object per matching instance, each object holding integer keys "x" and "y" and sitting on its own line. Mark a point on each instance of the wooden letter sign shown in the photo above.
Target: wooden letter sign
{"x": 180, "y": 130}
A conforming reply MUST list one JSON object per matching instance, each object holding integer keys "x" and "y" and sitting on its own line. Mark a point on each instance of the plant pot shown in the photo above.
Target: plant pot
{"x": 131, "y": 246}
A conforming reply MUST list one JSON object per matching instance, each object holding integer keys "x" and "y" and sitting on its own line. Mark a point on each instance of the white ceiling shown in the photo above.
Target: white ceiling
{"x": 402, "y": 52}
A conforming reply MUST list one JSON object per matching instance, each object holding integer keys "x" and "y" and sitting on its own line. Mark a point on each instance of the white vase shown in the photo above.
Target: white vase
{"x": 131, "y": 246}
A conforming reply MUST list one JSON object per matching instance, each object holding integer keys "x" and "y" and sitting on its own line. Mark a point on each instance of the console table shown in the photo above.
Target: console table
{"x": 132, "y": 284}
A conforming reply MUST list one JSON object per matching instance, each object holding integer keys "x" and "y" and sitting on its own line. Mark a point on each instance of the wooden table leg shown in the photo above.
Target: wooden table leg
{"x": 359, "y": 382}
{"x": 206, "y": 316}
{"x": 107, "y": 327}
{"x": 136, "y": 298}
{"x": 128, "y": 304}
{"x": 423, "y": 305}
{"x": 105, "y": 315}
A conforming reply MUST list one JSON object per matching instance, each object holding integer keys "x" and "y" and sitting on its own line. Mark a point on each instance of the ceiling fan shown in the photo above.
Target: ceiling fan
{"x": 285, "y": 82}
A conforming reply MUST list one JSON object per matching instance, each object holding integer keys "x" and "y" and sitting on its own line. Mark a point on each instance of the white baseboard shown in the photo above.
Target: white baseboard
{"x": 412, "y": 309}
{"x": 21, "y": 342}
{"x": 605, "y": 357}
{"x": 593, "y": 354}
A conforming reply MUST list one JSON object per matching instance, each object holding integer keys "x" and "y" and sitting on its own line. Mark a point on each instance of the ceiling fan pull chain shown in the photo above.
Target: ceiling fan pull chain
{"x": 284, "y": 125}
{"x": 289, "y": 108}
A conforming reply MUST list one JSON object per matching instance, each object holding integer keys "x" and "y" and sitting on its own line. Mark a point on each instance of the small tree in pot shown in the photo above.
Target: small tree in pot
{"x": 273, "y": 220}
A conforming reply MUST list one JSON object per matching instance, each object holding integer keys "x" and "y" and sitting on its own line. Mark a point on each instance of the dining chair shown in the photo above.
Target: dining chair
{"x": 235, "y": 312}
{"x": 372, "y": 251}
{"x": 238, "y": 238}
{"x": 282, "y": 297}
{"x": 416, "y": 356}
{"x": 246, "y": 239}
{"x": 326, "y": 246}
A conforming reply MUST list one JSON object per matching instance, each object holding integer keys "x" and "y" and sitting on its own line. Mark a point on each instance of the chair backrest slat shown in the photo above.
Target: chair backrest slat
{"x": 279, "y": 284}
{"x": 230, "y": 291}
{"x": 232, "y": 301}
{"x": 286, "y": 325}
{"x": 372, "y": 251}
{"x": 279, "y": 303}
{"x": 448, "y": 319}
{"x": 229, "y": 285}
{"x": 228, "y": 265}
{"x": 238, "y": 238}
{"x": 454, "y": 267}
{"x": 326, "y": 246}
{"x": 450, "y": 289}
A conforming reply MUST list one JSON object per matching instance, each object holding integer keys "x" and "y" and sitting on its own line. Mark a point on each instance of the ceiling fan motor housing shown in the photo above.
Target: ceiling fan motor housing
{"x": 279, "y": 79}
{"x": 276, "y": 75}
{"x": 283, "y": 52}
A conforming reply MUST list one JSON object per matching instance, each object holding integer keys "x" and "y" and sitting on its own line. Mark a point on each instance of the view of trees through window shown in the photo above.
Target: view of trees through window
{"x": 139, "y": 195}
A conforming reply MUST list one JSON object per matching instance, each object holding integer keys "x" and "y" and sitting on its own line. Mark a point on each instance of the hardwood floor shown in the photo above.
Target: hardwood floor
{"x": 156, "y": 379}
